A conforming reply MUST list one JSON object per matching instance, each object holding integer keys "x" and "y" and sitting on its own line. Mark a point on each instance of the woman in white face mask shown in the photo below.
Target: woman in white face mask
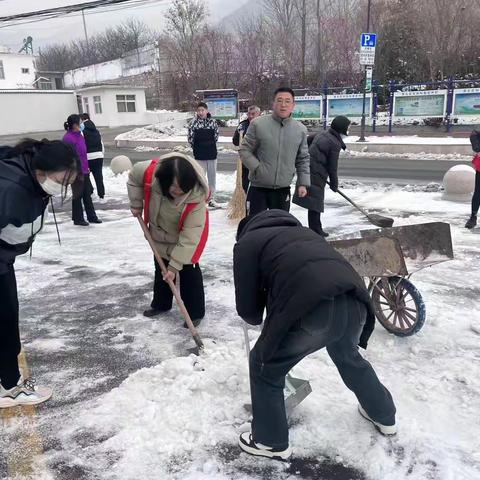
{"x": 30, "y": 173}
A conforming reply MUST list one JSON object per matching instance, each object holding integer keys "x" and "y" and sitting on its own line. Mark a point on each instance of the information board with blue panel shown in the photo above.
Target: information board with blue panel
{"x": 349, "y": 105}
{"x": 308, "y": 107}
{"x": 424, "y": 103}
{"x": 466, "y": 101}
{"x": 222, "y": 104}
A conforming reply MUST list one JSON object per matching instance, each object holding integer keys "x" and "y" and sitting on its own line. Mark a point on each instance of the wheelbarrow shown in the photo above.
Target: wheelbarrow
{"x": 387, "y": 258}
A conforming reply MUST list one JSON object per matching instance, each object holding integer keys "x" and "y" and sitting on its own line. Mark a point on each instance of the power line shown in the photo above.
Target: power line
{"x": 71, "y": 10}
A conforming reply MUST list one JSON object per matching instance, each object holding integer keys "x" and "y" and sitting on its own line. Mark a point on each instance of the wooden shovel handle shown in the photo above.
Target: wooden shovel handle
{"x": 171, "y": 284}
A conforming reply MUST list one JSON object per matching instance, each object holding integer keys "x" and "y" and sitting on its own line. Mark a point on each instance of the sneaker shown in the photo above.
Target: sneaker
{"x": 383, "y": 429}
{"x": 96, "y": 220}
{"x": 247, "y": 444}
{"x": 196, "y": 322}
{"x": 471, "y": 222}
{"x": 153, "y": 312}
{"x": 25, "y": 393}
{"x": 82, "y": 223}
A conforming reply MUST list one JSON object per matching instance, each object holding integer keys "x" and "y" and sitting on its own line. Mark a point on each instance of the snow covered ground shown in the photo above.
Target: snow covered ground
{"x": 130, "y": 402}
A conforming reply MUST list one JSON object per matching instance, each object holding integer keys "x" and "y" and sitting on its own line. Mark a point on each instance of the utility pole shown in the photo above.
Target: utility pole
{"x": 85, "y": 27}
{"x": 362, "y": 125}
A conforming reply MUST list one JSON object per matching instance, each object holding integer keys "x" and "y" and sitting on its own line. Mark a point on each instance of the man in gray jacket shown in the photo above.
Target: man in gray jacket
{"x": 274, "y": 148}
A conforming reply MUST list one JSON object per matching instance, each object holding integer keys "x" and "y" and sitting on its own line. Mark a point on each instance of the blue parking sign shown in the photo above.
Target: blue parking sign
{"x": 368, "y": 40}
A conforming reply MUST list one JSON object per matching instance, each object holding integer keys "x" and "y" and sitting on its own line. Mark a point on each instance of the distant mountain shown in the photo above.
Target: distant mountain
{"x": 249, "y": 9}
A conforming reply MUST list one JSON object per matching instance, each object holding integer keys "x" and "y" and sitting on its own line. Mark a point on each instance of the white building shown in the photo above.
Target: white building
{"x": 17, "y": 70}
{"x": 114, "y": 105}
{"x": 29, "y": 111}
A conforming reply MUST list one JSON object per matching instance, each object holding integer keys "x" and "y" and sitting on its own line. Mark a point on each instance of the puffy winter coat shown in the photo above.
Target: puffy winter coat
{"x": 93, "y": 141}
{"x": 475, "y": 140}
{"x": 175, "y": 245}
{"x": 290, "y": 269}
{"x": 203, "y": 137}
{"x": 324, "y": 152}
{"x": 22, "y": 208}
{"x": 78, "y": 141}
{"x": 273, "y": 150}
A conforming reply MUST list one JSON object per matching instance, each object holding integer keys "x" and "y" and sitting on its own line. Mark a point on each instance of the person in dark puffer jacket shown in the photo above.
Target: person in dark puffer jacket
{"x": 314, "y": 299}
{"x": 324, "y": 152}
{"x": 203, "y": 137}
{"x": 30, "y": 174}
{"x": 95, "y": 152}
{"x": 475, "y": 141}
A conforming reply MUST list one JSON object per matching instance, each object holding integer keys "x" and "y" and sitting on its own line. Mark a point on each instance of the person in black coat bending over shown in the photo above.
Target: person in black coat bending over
{"x": 324, "y": 151}
{"x": 95, "y": 152}
{"x": 240, "y": 132}
{"x": 314, "y": 299}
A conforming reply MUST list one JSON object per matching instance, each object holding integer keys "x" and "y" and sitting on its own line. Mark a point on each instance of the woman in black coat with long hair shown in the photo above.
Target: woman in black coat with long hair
{"x": 30, "y": 174}
{"x": 324, "y": 152}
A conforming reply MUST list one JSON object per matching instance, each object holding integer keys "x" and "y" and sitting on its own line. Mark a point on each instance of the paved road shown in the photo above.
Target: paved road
{"x": 391, "y": 168}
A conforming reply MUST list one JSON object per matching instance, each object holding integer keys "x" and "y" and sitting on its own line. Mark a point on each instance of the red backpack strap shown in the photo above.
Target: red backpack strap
{"x": 147, "y": 188}
{"x": 203, "y": 238}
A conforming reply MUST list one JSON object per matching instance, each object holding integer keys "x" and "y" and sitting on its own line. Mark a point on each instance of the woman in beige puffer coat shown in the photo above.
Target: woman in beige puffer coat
{"x": 172, "y": 192}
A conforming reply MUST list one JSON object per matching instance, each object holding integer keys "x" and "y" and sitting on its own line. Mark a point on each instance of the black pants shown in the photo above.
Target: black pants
{"x": 191, "y": 290}
{"x": 261, "y": 199}
{"x": 245, "y": 180}
{"x": 96, "y": 167}
{"x": 314, "y": 221}
{"x": 337, "y": 325}
{"x": 476, "y": 194}
{"x": 9, "y": 333}
{"x": 86, "y": 198}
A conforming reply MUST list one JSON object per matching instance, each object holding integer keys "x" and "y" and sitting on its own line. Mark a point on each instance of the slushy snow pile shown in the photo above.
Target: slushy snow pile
{"x": 179, "y": 417}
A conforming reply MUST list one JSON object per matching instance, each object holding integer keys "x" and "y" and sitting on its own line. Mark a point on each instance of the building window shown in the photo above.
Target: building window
{"x": 126, "y": 103}
{"x": 26, "y": 70}
{"x": 86, "y": 107}
{"x": 97, "y": 102}
{"x": 45, "y": 84}
{"x": 2, "y": 71}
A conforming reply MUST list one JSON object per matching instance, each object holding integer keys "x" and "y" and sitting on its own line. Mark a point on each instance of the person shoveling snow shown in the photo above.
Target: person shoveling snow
{"x": 314, "y": 299}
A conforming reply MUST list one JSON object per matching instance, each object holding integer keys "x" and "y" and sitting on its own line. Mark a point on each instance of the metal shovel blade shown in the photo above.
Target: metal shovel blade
{"x": 301, "y": 389}
{"x": 296, "y": 390}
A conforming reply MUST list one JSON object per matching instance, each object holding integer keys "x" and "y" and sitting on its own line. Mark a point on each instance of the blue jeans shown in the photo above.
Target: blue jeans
{"x": 335, "y": 324}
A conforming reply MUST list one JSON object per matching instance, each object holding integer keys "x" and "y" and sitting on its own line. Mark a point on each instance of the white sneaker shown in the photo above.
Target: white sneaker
{"x": 24, "y": 393}
{"x": 247, "y": 444}
{"x": 383, "y": 429}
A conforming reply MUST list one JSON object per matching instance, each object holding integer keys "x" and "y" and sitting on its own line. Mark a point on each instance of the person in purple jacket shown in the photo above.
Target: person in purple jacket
{"x": 74, "y": 136}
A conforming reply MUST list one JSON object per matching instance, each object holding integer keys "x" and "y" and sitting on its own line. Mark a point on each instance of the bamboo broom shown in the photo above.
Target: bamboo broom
{"x": 237, "y": 206}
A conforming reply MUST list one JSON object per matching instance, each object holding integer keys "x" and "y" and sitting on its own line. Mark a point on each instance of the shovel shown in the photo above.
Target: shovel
{"x": 296, "y": 389}
{"x": 373, "y": 218}
{"x": 173, "y": 288}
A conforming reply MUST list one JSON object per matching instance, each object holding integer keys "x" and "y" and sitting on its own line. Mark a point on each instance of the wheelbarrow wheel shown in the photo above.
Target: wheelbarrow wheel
{"x": 399, "y": 306}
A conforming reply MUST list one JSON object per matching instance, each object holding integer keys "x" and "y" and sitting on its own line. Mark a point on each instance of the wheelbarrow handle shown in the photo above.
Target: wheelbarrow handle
{"x": 171, "y": 284}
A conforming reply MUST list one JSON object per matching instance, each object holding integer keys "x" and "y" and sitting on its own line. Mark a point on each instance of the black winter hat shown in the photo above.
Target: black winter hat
{"x": 340, "y": 124}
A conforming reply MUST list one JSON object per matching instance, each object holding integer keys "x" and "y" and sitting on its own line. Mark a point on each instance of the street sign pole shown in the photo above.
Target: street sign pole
{"x": 362, "y": 125}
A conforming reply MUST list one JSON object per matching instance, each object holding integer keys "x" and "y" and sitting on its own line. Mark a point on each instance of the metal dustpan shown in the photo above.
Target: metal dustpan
{"x": 296, "y": 389}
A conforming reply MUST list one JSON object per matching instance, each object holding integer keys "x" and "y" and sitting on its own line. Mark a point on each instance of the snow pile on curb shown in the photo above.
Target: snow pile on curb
{"x": 453, "y": 157}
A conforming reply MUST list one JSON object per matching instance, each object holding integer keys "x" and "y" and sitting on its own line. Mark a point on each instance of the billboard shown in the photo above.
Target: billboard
{"x": 349, "y": 105}
{"x": 466, "y": 101}
{"x": 426, "y": 103}
{"x": 222, "y": 104}
{"x": 308, "y": 108}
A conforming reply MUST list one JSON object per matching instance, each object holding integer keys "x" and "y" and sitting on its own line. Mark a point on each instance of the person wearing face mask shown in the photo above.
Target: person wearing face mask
{"x": 30, "y": 174}
{"x": 74, "y": 136}
{"x": 324, "y": 153}
{"x": 172, "y": 192}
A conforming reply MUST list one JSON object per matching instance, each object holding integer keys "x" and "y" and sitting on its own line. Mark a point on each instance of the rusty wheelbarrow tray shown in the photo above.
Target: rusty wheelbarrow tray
{"x": 388, "y": 257}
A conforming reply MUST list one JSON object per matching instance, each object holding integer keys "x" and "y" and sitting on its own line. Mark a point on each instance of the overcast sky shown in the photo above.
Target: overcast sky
{"x": 71, "y": 27}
